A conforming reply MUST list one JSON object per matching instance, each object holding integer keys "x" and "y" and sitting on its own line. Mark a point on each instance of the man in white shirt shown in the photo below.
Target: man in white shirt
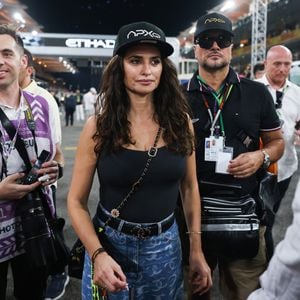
{"x": 286, "y": 97}
{"x": 79, "y": 106}
{"x": 281, "y": 280}
{"x": 89, "y": 101}
{"x": 30, "y": 85}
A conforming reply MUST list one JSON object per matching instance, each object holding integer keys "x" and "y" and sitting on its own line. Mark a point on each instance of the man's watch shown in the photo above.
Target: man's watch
{"x": 267, "y": 160}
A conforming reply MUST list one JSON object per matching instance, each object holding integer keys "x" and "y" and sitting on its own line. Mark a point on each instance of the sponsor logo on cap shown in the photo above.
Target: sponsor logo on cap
{"x": 214, "y": 20}
{"x": 144, "y": 33}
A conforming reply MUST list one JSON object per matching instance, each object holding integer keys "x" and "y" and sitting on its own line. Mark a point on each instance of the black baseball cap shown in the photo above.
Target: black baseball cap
{"x": 141, "y": 33}
{"x": 213, "y": 21}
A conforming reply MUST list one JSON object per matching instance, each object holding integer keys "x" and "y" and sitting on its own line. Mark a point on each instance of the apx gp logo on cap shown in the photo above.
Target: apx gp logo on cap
{"x": 143, "y": 32}
{"x": 214, "y": 20}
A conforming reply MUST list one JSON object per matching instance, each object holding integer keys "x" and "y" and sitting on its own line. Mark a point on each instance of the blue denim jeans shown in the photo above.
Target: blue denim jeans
{"x": 153, "y": 266}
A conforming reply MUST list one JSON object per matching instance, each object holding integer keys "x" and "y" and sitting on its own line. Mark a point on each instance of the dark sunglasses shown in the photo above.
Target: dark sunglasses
{"x": 206, "y": 42}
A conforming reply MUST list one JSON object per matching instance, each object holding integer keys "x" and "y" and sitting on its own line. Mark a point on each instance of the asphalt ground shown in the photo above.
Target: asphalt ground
{"x": 70, "y": 137}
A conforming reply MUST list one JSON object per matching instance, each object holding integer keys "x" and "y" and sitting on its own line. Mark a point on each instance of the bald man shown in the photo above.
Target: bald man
{"x": 286, "y": 97}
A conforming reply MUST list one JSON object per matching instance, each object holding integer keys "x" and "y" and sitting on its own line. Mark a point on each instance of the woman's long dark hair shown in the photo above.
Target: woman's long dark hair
{"x": 170, "y": 110}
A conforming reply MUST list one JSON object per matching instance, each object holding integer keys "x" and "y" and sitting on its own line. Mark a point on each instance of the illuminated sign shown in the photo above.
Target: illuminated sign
{"x": 90, "y": 43}
{"x": 69, "y": 43}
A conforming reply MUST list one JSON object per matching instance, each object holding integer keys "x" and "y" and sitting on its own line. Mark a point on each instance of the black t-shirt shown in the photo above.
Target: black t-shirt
{"x": 248, "y": 111}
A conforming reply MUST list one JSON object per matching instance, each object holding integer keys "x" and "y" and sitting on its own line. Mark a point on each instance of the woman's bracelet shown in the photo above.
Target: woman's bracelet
{"x": 193, "y": 232}
{"x": 96, "y": 253}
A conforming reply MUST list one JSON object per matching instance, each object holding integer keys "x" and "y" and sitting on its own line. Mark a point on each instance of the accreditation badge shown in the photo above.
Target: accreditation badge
{"x": 224, "y": 157}
{"x": 212, "y": 146}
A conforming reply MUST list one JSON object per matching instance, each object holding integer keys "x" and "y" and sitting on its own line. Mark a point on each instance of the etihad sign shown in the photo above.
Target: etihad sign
{"x": 90, "y": 43}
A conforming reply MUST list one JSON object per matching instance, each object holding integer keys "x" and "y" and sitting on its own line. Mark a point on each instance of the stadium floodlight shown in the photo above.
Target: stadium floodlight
{"x": 229, "y": 4}
{"x": 19, "y": 18}
{"x": 193, "y": 29}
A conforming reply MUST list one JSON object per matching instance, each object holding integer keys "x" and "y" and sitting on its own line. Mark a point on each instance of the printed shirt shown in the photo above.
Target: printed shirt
{"x": 289, "y": 113}
{"x": 11, "y": 242}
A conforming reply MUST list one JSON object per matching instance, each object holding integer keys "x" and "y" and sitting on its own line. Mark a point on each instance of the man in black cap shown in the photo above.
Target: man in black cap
{"x": 230, "y": 114}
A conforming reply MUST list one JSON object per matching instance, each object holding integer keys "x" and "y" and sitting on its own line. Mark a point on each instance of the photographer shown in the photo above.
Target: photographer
{"x": 58, "y": 276}
{"x": 32, "y": 129}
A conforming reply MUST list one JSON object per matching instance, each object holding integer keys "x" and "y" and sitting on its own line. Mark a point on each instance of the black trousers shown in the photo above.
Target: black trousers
{"x": 282, "y": 187}
{"x": 29, "y": 283}
{"x": 69, "y": 116}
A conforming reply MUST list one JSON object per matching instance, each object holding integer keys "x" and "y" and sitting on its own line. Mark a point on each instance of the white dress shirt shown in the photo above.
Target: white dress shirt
{"x": 289, "y": 113}
{"x": 37, "y": 90}
{"x": 281, "y": 280}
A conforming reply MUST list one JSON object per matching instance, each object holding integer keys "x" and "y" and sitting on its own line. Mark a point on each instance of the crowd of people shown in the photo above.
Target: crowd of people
{"x": 77, "y": 106}
{"x": 179, "y": 171}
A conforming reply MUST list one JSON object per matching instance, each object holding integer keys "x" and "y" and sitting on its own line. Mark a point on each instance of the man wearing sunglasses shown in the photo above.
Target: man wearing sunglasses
{"x": 286, "y": 99}
{"x": 232, "y": 113}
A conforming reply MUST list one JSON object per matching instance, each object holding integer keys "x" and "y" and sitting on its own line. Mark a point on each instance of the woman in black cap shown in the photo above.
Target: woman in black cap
{"x": 141, "y": 143}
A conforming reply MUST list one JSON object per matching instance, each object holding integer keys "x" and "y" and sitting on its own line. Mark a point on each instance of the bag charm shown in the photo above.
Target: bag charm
{"x": 115, "y": 213}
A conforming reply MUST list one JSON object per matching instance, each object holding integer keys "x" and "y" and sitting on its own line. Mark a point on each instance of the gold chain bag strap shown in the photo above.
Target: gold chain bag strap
{"x": 115, "y": 212}
{"x": 77, "y": 251}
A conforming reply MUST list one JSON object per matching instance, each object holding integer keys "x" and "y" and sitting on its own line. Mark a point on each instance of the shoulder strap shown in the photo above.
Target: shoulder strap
{"x": 115, "y": 212}
{"x": 11, "y": 130}
{"x": 4, "y": 167}
{"x": 20, "y": 146}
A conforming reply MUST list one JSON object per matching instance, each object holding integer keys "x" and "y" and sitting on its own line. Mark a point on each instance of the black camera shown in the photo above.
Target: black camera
{"x": 37, "y": 233}
{"x": 32, "y": 176}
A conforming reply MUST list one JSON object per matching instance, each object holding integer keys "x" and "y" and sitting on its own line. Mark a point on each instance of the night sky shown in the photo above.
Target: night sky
{"x": 107, "y": 16}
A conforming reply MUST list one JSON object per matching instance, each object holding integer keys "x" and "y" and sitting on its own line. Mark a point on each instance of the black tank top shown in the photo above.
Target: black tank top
{"x": 155, "y": 198}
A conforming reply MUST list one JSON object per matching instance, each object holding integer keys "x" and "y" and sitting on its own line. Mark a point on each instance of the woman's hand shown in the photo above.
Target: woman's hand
{"x": 199, "y": 274}
{"x": 108, "y": 274}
